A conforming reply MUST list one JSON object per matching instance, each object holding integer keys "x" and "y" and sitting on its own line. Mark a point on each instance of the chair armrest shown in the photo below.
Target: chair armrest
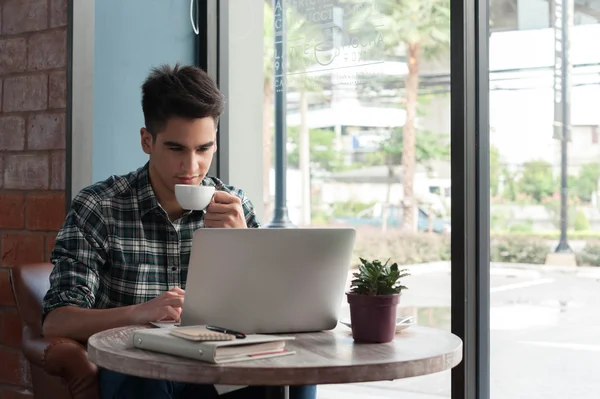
{"x": 57, "y": 356}
{"x": 65, "y": 358}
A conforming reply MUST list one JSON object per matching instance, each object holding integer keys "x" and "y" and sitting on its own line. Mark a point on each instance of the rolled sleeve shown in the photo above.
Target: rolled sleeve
{"x": 78, "y": 255}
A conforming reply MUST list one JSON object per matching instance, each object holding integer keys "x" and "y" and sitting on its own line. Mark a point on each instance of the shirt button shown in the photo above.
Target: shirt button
{"x": 174, "y": 268}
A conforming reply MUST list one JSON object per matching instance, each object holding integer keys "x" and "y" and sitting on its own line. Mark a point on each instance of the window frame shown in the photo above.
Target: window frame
{"x": 209, "y": 59}
{"x": 470, "y": 199}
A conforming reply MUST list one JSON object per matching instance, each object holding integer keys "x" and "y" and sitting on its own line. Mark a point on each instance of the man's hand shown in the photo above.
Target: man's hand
{"x": 225, "y": 210}
{"x": 165, "y": 307}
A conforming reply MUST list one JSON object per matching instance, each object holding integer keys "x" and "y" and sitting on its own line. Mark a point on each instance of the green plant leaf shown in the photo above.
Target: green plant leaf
{"x": 376, "y": 278}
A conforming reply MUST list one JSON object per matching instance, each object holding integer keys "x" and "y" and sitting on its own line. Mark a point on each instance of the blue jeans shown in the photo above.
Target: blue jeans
{"x": 120, "y": 386}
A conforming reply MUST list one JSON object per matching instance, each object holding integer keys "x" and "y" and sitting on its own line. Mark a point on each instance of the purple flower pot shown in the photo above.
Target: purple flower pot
{"x": 373, "y": 317}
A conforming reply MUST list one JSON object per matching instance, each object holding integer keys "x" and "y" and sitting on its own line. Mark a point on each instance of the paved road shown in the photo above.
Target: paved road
{"x": 545, "y": 335}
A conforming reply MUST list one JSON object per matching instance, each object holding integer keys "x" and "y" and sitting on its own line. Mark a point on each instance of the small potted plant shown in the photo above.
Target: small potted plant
{"x": 373, "y": 297}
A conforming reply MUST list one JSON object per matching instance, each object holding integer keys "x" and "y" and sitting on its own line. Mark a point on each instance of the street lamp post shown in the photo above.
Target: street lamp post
{"x": 280, "y": 212}
{"x": 562, "y": 119}
{"x": 563, "y": 245}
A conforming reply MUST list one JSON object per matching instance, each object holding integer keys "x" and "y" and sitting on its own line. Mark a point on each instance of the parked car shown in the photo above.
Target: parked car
{"x": 373, "y": 216}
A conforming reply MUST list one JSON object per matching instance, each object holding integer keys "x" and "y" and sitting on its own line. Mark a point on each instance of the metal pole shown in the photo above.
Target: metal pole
{"x": 280, "y": 212}
{"x": 563, "y": 245}
{"x": 563, "y": 10}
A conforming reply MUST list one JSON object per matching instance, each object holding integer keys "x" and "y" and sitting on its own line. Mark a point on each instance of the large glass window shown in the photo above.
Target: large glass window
{"x": 367, "y": 112}
{"x": 545, "y": 217}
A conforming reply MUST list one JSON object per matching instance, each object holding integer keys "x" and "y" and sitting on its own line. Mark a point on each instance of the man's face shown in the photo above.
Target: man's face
{"x": 182, "y": 152}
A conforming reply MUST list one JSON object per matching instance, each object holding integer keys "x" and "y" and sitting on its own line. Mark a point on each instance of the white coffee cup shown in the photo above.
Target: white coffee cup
{"x": 194, "y": 198}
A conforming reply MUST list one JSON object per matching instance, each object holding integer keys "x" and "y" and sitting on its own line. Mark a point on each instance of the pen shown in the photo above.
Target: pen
{"x": 226, "y": 331}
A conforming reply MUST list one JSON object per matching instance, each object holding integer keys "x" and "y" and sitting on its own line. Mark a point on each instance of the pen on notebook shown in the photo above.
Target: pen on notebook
{"x": 226, "y": 331}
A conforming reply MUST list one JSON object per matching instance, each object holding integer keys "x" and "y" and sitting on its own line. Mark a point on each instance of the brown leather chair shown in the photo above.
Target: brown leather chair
{"x": 59, "y": 366}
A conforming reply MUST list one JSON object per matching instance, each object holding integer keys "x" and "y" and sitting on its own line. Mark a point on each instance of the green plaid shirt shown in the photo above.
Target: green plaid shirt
{"x": 117, "y": 246}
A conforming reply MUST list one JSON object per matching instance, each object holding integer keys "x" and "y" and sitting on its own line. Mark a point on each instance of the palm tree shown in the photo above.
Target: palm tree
{"x": 423, "y": 27}
{"x": 428, "y": 146}
{"x": 419, "y": 29}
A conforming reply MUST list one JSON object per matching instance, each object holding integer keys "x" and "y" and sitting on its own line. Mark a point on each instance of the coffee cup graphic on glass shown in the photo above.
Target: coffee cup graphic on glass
{"x": 326, "y": 53}
{"x": 194, "y": 198}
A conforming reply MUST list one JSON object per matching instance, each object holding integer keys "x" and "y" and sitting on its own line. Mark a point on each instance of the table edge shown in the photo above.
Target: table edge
{"x": 296, "y": 375}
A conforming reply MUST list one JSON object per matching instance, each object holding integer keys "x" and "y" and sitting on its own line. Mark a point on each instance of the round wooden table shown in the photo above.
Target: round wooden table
{"x": 330, "y": 357}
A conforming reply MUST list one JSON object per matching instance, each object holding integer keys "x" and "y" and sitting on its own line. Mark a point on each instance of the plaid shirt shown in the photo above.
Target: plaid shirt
{"x": 117, "y": 246}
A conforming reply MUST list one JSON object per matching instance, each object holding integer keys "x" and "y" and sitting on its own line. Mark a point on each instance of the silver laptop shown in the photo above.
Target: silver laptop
{"x": 268, "y": 280}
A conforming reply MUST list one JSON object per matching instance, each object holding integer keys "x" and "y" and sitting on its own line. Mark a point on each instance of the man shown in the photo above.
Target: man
{"x": 121, "y": 256}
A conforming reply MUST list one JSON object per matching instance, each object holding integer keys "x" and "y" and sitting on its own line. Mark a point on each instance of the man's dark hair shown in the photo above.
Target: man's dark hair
{"x": 179, "y": 91}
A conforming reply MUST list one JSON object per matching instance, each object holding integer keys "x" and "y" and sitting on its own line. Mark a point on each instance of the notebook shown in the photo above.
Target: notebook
{"x": 200, "y": 333}
{"x": 254, "y": 346}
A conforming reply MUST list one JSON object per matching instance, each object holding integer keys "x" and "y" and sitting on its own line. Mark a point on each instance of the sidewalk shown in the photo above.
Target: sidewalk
{"x": 581, "y": 271}
{"x": 509, "y": 269}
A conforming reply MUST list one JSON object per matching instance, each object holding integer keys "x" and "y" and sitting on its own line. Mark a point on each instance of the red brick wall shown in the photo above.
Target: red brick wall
{"x": 32, "y": 157}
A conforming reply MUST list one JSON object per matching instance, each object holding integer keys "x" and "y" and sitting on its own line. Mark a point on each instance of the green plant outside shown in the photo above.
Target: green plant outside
{"x": 509, "y": 247}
